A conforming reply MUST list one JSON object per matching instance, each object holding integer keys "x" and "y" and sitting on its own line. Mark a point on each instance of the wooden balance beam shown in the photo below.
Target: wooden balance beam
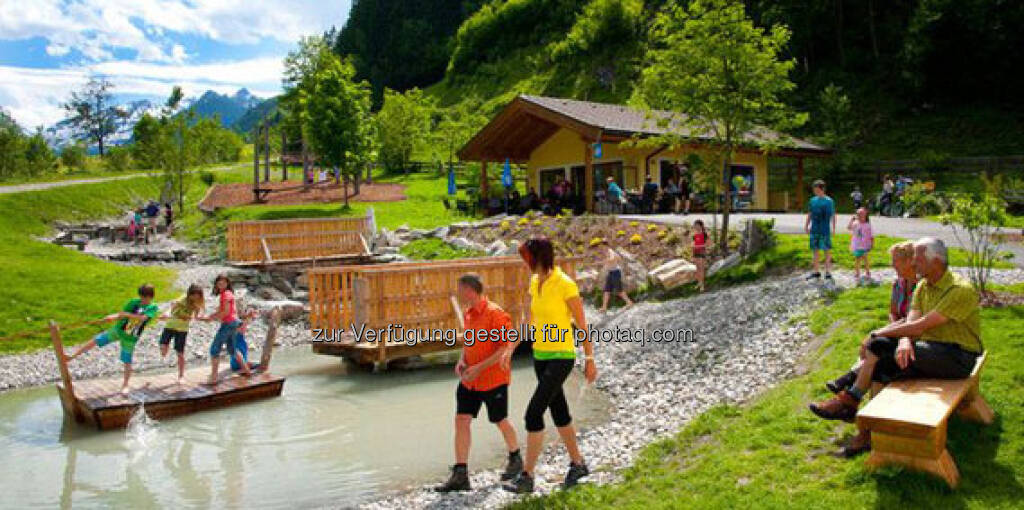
{"x": 908, "y": 421}
{"x": 101, "y": 403}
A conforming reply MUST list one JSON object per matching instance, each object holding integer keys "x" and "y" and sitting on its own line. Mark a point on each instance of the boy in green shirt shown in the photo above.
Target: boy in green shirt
{"x": 131, "y": 320}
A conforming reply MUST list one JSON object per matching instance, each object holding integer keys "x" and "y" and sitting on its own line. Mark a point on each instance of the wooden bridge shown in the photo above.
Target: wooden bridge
{"x": 418, "y": 296}
{"x": 100, "y": 402}
{"x": 271, "y": 242}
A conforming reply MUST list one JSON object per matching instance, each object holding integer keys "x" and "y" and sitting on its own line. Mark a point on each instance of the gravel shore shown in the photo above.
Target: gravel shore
{"x": 745, "y": 339}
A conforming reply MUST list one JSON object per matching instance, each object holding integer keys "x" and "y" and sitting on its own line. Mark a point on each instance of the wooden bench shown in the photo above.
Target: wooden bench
{"x": 908, "y": 421}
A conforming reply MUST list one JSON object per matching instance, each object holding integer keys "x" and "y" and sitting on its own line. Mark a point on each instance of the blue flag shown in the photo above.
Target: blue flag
{"x": 506, "y": 175}
{"x": 451, "y": 180}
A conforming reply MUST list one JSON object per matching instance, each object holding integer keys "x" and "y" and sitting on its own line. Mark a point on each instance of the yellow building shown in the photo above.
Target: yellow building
{"x": 582, "y": 142}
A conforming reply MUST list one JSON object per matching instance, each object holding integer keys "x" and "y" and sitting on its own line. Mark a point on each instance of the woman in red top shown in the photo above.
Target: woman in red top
{"x": 229, "y": 324}
{"x": 700, "y": 243}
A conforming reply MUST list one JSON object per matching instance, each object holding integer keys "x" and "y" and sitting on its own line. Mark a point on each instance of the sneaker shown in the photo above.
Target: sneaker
{"x": 514, "y": 466}
{"x": 860, "y": 443}
{"x": 841, "y": 407}
{"x": 458, "y": 481}
{"x": 814, "y": 276}
{"x": 521, "y": 484}
{"x": 828, "y": 277}
{"x": 572, "y": 477}
{"x": 842, "y": 382}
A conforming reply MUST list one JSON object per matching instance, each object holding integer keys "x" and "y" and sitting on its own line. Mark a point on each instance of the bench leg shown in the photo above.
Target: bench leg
{"x": 927, "y": 454}
{"x": 974, "y": 408}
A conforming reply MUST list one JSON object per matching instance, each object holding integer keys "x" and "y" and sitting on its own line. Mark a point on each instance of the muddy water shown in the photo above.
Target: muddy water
{"x": 336, "y": 436}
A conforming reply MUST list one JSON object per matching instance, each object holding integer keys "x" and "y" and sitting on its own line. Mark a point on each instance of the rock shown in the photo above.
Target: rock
{"x": 302, "y": 281}
{"x": 498, "y": 247}
{"x": 300, "y": 296}
{"x": 463, "y": 243}
{"x": 674, "y": 273}
{"x": 586, "y": 279}
{"x": 439, "y": 232}
{"x": 290, "y": 310}
{"x": 270, "y": 293}
{"x": 726, "y": 263}
{"x": 389, "y": 250}
{"x": 512, "y": 248}
{"x": 280, "y": 283}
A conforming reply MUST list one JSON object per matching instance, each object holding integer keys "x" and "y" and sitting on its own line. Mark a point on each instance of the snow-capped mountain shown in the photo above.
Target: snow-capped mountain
{"x": 229, "y": 108}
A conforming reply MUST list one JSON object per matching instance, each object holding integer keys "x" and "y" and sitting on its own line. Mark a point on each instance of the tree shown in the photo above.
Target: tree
{"x": 300, "y": 66}
{"x": 91, "y": 113}
{"x": 336, "y": 115}
{"x": 707, "y": 59}
{"x": 402, "y": 126}
{"x": 39, "y": 158}
{"x": 454, "y": 126}
{"x": 838, "y": 129}
{"x": 12, "y": 142}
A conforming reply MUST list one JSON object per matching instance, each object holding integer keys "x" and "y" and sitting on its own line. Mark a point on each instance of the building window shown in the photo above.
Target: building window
{"x": 548, "y": 178}
{"x": 604, "y": 170}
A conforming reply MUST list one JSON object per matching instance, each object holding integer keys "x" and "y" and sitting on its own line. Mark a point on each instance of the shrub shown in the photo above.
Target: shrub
{"x": 73, "y": 156}
{"x": 538, "y": 222}
{"x": 207, "y": 177}
{"x": 636, "y": 239}
{"x": 118, "y": 159}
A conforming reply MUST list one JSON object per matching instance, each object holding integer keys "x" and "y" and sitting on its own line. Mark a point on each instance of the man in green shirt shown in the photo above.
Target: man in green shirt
{"x": 131, "y": 320}
{"x": 941, "y": 337}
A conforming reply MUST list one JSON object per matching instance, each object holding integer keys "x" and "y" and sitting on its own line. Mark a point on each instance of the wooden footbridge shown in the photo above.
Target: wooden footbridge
{"x": 102, "y": 404}
{"x": 415, "y": 296}
{"x": 311, "y": 240}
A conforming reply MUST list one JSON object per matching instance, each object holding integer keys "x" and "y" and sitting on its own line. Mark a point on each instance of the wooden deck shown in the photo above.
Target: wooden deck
{"x": 101, "y": 403}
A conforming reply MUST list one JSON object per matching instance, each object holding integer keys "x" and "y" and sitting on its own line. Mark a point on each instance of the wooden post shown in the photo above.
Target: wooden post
{"x": 268, "y": 343}
{"x": 483, "y": 179}
{"x": 266, "y": 250}
{"x": 284, "y": 166}
{"x": 800, "y": 183}
{"x": 588, "y": 175}
{"x": 67, "y": 397}
{"x": 266, "y": 149}
{"x": 305, "y": 166}
{"x": 256, "y": 166}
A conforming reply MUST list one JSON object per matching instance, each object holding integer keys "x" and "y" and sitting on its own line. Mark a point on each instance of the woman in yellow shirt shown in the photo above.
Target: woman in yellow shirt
{"x": 554, "y": 307}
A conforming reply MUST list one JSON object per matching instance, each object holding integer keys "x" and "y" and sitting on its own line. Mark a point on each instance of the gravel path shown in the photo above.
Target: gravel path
{"x": 743, "y": 341}
{"x": 37, "y": 186}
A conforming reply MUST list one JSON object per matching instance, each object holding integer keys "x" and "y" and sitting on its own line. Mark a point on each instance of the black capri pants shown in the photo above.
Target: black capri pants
{"x": 938, "y": 360}
{"x": 551, "y": 375}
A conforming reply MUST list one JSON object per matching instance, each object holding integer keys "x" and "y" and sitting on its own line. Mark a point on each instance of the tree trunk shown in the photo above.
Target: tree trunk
{"x": 99, "y": 141}
{"x": 355, "y": 181}
{"x": 723, "y": 240}
{"x": 369, "y": 172}
{"x": 346, "y": 191}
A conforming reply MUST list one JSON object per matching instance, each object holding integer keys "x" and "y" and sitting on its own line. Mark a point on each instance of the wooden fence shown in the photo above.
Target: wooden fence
{"x": 415, "y": 295}
{"x": 296, "y": 239}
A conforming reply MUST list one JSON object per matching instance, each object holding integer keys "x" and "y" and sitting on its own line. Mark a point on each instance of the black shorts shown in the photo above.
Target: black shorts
{"x": 178, "y": 336}
{"x": 613, "y": 283}
{"x": 933, "y": 360}
{"x": 468, "y": 401}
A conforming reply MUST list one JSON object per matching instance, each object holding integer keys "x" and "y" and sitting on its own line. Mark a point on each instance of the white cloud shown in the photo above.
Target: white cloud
{"x": 33, "y": 96}
{"x": 97, "y": 27}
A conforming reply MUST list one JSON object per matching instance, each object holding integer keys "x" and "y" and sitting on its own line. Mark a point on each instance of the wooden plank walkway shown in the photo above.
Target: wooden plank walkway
{"x": 101, "y": 403}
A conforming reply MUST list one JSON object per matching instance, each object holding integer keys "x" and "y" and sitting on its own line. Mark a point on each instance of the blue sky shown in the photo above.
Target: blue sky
{"x": 145, "y": 47}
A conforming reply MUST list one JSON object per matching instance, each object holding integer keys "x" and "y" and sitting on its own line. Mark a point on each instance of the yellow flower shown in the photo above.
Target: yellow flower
{"x": 596, "y": 241}
{"x": 651, "y": 227}
{"x": 538, "y": 222}
{"x": 634, "y": 223}
{"x": 524, "y": 221}
{"x": 636, "y": 239}
{"x": 505, "y": 225}
{"x": 620, "y": 233}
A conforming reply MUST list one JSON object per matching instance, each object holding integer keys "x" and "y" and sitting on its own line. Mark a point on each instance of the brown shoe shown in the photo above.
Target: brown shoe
{"x": 859, "y": 444}
{"x": 841, "y": 407}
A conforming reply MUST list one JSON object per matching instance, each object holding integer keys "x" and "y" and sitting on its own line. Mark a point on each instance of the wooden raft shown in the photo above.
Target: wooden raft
{"x": 101, "y": 403}
{"x": 908, "y": 421}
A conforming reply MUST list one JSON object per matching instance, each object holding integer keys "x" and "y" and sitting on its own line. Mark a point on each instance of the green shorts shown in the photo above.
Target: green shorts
{"x": 859, "y": 253}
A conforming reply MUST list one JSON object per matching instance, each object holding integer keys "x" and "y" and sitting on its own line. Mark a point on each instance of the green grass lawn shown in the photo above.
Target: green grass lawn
{"x": 773, "y": 453}
{"x": 45, "y": 281}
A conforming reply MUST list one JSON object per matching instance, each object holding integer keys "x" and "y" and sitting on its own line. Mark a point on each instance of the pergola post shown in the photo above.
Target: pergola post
{"x": 800, "y": 183}
{"x": 266, "y": 148}
{"x": 588, "y": 174}
{"x": 483, "y": 179}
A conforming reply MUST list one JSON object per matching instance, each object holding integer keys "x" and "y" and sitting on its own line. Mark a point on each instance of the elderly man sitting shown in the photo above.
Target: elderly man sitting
{"x": 941, "y": 337}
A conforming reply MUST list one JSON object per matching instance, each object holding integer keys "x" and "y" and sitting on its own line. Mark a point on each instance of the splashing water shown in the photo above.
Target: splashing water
{"x": 142, "y": 432}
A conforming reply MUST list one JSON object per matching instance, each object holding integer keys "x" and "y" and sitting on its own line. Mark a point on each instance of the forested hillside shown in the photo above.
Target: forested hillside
{"x": 919, "y": 75}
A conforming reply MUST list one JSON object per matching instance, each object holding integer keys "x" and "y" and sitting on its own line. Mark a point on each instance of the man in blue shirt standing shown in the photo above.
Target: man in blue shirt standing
{"x": 821, "y": 222}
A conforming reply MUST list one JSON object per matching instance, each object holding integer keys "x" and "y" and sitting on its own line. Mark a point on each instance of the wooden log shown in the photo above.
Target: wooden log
{"x": 266, "y": 250}
{"x": 66, "y": 392}
{"x": 268, "y": 342}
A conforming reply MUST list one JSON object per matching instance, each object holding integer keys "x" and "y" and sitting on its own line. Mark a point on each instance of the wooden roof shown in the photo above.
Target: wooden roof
{"x": 527, "y": 121}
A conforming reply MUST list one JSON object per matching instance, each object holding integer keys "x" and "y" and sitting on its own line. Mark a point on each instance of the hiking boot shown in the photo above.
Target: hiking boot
{"x": 814, "y": 276}
{"x": 859, "y": 444}
{"x": 514, "y": 466}
{"x": 576, "y": 471}
{"x": 842, "y": 382}
{"x": 841, "y": 407}
{"x": 521, "y": 484}
{"x": 458, "y": 481}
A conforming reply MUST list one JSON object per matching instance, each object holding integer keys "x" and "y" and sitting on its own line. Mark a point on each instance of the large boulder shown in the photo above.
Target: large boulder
{"x": 723, "y": 264}
{"x": 280, "y": 283}
{"x": 674, "y": 273}
{"x": 269, "y": 293}
{"x": 466, "y": 244}
{"x": 439, "y": 232}
{"x": 587, "y": 279}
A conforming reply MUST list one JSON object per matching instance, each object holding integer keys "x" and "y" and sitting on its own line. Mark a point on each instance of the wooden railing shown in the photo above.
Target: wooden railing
{"x": 296, "y": 239}
{"x": 416, "y": 295}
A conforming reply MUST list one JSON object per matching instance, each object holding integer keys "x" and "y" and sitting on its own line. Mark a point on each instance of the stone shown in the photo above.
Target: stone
{"x": 439, "y": 232}
{"x": 290, "y": 310}
{"x": 270, "y": 293}
{"x": 512, "y": 248}
{"x": 466, "y": 244}
{"x": 720, "y": 265}
{"x": 389, "y": 250}
{"x": 302, "y": 281}
{"x": 674, "y": 273}
{"x": 281, "y": 283}
{"x": 498, "y": 247}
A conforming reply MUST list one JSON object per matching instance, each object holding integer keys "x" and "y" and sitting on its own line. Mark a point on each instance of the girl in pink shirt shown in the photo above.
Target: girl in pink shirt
{"x": 861, "y": 242}
{"x": 229, "y": 324}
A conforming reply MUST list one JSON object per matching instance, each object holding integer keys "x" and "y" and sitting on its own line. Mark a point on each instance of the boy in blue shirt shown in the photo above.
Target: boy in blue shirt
{"x": 821, "y": 222}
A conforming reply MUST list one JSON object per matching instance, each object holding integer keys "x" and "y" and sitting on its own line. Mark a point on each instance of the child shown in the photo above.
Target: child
{"x": 176, "y": 328}
{"x": 700, "y": 243}
{"x": 613, "y": 281}
{"x": 861, "y": 242}
{"x": 820, "y": 223}
{"x": 857, "y": 197}
{"x": 132, "y": 226}
{"x": 131, "y": 320}
{"x": 140, "y": 228}
{"x": 242, "y": 347}
{"x": 229, "y": 324}
{"x": 169, "y": 217}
